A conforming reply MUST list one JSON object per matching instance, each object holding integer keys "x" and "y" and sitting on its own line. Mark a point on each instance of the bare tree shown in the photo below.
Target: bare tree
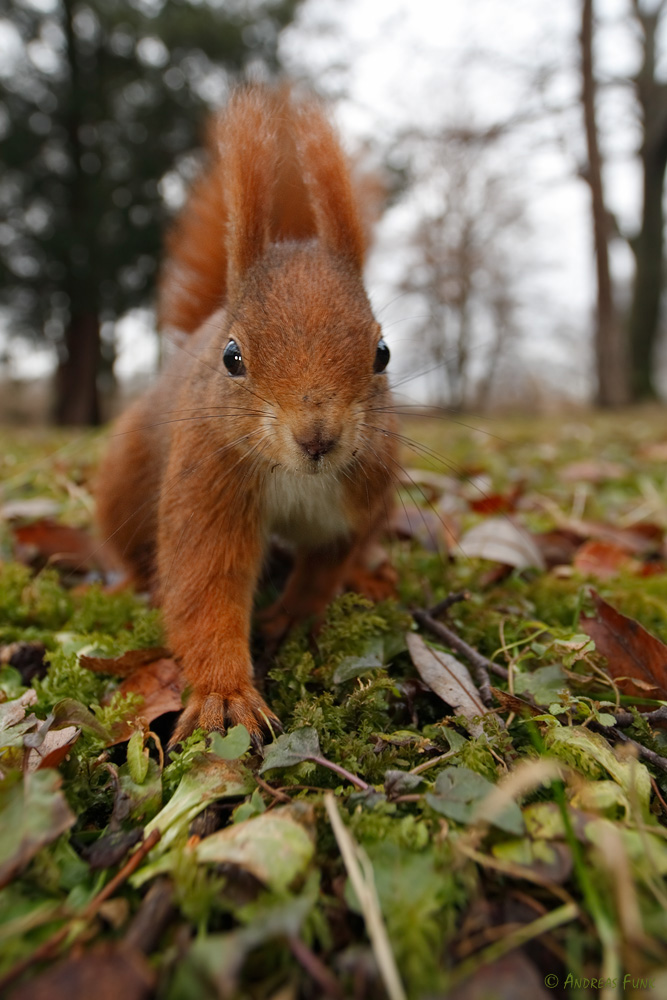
{"x": 464, "y": 268}
{"x": 610, "y": 344}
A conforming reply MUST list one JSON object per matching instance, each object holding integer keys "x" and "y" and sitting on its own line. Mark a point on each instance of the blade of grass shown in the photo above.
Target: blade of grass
{"x": 360, "y": 871}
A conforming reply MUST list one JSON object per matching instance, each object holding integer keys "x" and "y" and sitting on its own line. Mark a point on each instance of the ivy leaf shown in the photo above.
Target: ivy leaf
{"x": 400, "y": 782}
{"x": 231, "y": 746}
{"x": 354, "y": 666}
{"x": 292, "y": 748}
{"x": 459, "y": 794}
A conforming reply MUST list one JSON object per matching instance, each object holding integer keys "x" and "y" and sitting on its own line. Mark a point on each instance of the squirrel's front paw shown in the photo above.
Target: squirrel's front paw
{"x": 213, "y": 711}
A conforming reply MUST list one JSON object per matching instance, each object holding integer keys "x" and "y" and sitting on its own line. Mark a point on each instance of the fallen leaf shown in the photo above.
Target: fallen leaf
{"x": 592, "y": 470}
{"x": 510, "y": 703}
{"x": 497, "y": 503}
{"x": 513, "y": 977}
{"x": 604, "y": 560}
{"x": 111, "y": 848}
{"x": 46, "y": 541}
{"x": 632, "y": 653}
{"x": 274, "y": 847}
{"x": 106, "y": 972}
{"x": 161, "y": 685}
{"x": 34, "y": 813}
{"x": 448, "y": 678}
{"x": 499, "y": 539}
{"x": 29, "y": 508}
{"x": 640, "y": 539}
{"x": 53, "y": 749}
{"x": 558, "y": 547}
{"x": 654, "y": 452}
{"x": 126, "y": 664}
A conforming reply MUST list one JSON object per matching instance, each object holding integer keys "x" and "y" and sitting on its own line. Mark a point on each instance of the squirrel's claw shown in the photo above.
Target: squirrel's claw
{"x": 216, "y": 712}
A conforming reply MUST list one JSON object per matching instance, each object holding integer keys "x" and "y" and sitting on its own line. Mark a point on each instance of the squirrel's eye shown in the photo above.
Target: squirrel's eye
{"x": 381, "y": 357}
{"x": 232, "y": 360}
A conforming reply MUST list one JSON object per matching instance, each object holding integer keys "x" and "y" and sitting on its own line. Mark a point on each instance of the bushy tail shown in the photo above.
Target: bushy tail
{"x": 275, "y": 172}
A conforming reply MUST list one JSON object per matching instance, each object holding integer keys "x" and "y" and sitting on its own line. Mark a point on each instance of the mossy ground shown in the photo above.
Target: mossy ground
{"x": 458, "y": 889}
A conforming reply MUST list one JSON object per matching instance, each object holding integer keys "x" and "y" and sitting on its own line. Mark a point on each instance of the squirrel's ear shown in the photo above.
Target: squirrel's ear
{"x": 247, "y": 143}
{"x": 327, "y": 178}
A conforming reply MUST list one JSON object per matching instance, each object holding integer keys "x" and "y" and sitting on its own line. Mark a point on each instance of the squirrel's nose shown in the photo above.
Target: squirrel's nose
{"x": 316, "y": 446}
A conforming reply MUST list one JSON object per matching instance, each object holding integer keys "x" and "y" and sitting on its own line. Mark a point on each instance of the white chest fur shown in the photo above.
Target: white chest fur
{"x": 305, "y": 509}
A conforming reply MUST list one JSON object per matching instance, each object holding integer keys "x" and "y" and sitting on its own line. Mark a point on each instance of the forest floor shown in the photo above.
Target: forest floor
{"x": 470, "y": 797}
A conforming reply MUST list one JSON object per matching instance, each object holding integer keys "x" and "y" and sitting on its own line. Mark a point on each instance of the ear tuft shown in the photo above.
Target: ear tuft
{"x": 326, "y": 174}
{"x": 246, "y": 136}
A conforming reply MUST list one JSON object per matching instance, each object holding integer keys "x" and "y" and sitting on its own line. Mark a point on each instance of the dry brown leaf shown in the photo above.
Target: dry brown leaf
{"x": 558, "y": 547}
{"x": 448, "y": 678}
{"x": 592, "y": 470}
{"x": 123, "y": 666}
{"x": 636, "y": 659}
{"x": 604, "y": 560}
{"x": 513, "y": 977}
{"x": 161, "y": 684}
{"x": 46, "y": 541}
{"x": 497, "y": 503}
{"x": 106, "y": 972}
{"x": 53, "y": 749}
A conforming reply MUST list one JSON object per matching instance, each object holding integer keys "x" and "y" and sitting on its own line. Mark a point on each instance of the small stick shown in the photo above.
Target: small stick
{"x": 315, "y": 968}
{"x": 439, "y": 609}
{"x": 643, "y": 751}
{"x": 659, "y": 715}
{"x": 274, "y": 792}
{"x": 480, "y": 664}
{"x": 47, "y": 949}
{"x": 342, "y": 771}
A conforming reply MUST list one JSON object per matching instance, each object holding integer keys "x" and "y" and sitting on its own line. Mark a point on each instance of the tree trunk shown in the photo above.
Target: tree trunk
{"x": 644, "y": 325}
{"x": 610, "y": 346}
{"x": 77, "y": 400}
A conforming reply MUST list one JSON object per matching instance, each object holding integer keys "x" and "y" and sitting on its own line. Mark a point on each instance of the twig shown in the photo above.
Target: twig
{"x": 526, "y": 932}
{"x": 342, "y": 771}
{"x": 654, "y": 785}
{"x": 659, "y": 715}
{"x": 650, "y": 755}
{"x": 439, "y": 609}
{"x": 274, "y": 792}
{"x": 364, "y": 886}
{"x": 315, "y": 968}
{"x": 432, "y": 762}
{"x": 50, "y": 946}
{"x": 152, "y": 917}
{"x": 479, "y": 664}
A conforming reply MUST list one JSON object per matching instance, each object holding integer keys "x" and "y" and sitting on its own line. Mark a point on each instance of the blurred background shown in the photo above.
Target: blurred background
{"x": 519, "y": 259}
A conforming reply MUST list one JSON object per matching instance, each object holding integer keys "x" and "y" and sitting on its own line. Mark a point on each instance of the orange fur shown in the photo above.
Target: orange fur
{"x": 207, "y": 466}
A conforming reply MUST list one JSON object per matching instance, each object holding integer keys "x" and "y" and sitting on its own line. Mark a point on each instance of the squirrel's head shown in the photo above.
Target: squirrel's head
{"x": 302, "y": 348}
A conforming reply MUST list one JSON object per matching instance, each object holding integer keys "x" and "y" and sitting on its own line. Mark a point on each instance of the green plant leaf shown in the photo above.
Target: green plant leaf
{"x": 231, "y": 746}
{"x": 292, "y": 748}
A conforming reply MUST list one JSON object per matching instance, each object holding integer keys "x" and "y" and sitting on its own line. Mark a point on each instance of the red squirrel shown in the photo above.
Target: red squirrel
{"x": 273, "y": 419}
